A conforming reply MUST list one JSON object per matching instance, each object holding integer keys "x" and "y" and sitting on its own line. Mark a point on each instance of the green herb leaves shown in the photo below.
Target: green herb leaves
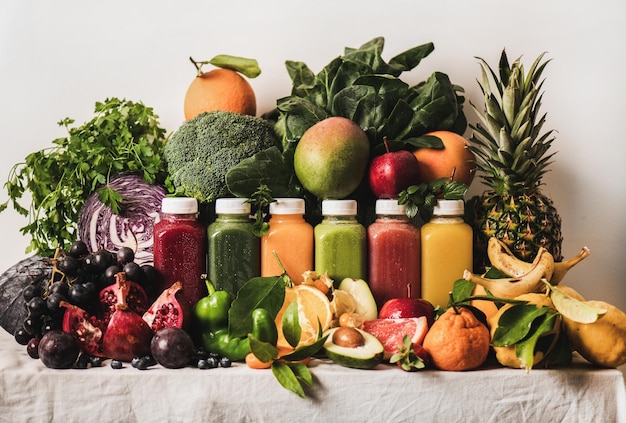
{"x": 123, "y": 136}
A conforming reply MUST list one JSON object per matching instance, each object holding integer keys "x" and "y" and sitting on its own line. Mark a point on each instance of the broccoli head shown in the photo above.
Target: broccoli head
{"x": 202, "y": 150}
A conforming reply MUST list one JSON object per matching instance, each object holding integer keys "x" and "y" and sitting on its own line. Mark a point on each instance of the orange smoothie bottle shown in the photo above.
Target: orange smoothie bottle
{"x": 446, "y": 251}
{"x": 291, "y": 237}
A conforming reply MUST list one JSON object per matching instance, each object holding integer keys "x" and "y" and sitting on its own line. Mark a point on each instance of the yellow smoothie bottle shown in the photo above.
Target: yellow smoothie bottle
{"x": 446, "y": 251}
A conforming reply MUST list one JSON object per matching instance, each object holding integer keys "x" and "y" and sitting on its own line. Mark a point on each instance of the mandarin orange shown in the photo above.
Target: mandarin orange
{"x": 457, "y": 341}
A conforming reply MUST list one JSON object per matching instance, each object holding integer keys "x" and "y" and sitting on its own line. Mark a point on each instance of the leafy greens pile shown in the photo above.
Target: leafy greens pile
{"x": 359, "y": 85}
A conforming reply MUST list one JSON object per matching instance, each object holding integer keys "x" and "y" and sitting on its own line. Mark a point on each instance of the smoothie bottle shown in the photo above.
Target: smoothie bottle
{"x": 234, "y": 251}
{"x": 290, "y": 237}
{"x": 180, "y": 248}
{"x": 446, "y": 251}
{"x": 394, "y": 246}
{"x": 340, "y": 242}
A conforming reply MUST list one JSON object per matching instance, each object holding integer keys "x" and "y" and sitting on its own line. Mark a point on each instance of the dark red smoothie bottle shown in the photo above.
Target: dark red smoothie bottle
{"x": 180, "y": 248}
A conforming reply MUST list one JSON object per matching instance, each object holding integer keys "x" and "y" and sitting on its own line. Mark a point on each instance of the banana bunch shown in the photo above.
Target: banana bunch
{"x": 524, "y": 277}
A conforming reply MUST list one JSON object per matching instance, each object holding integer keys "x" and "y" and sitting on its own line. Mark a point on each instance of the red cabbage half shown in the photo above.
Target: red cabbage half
{"x": 133, "y": 227}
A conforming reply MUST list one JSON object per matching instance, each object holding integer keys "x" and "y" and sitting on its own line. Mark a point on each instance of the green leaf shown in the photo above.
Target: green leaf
{"x": 515, "y": 323}
{"x": 305, "y": 351}
{"x": 302, "y": 372}
{"x": 259, "y": 292}
{"x": 264, "y": 351}
{"x": 291, "y": 324}
{"x": 525, "y": 349}
{"x": 462, "y": 290}
{"x": 287, "y": 378}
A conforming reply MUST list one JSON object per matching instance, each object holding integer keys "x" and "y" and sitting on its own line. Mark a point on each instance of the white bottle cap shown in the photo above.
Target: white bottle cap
{"x": 388, "y": 206}
{"x": 287, "y": 206}
{"x": 449, "y": 208}
{"x": 179, "y": 205}
{"x": 339, "y": 207}
{"x": 232, "y": 206}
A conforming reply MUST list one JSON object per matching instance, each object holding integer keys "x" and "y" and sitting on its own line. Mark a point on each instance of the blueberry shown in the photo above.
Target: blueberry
{"x": 116, "y": 364}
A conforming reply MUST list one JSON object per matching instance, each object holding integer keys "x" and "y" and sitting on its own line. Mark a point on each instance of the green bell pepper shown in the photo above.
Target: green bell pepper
{"x": 211, "y": 312}
{"x": 263, "y": 326}
{"x": 211, "y": 320}
{"x": 221, "y": 343}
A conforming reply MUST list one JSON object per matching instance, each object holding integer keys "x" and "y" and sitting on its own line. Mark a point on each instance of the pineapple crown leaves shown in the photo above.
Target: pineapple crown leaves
{"x": 510, "y": 148}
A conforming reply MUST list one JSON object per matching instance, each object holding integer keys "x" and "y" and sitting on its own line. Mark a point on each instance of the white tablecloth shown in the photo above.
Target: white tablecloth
{"x": 33, "y": 393}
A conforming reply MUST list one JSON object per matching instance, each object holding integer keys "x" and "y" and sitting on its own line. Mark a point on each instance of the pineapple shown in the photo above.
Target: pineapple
{"x": 511, "y": 157}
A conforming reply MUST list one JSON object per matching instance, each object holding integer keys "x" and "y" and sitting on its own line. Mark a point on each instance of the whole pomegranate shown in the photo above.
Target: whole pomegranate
{"x": 127, "y": 335}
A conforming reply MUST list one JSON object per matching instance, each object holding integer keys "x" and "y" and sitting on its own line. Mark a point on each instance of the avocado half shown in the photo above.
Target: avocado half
{"x": 367, "y": 356}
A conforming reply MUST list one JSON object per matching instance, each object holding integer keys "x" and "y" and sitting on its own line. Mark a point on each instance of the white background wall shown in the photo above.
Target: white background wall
{"x": 58, "y": 58}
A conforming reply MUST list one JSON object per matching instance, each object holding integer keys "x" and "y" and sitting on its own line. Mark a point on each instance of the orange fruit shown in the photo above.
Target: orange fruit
{"x": 254, "y": 363}
{"x": 457, "y": 341}
{"x": 219, "y": 89}
{"x": 391, "y": 332}
{"x": 486, "y": 306}
{"x": 455, "y": 156}
{"x": 313, "y": 305}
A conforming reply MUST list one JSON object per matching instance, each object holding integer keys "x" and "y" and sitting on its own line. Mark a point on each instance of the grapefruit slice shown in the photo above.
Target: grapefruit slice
{"x": 390, "y": 332}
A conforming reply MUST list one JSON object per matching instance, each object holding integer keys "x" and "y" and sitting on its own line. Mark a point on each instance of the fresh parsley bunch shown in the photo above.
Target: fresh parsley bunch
{"x": 123, "y": 136}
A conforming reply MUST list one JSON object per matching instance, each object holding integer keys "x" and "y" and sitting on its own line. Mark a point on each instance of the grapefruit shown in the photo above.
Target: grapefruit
{"x": 219, "y": 89}
{"x": 391, "y": 332}
{"x": 455, "y": 156}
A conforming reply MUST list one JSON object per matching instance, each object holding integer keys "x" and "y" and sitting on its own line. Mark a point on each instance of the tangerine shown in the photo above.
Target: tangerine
{"x": 313, "y": 306}
{"x": 219, "y": 89}
{"x": 457, "y": 341}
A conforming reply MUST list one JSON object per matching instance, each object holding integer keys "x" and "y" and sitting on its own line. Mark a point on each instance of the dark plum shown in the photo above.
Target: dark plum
{"x": 172, "y": 348}
{"x": 58, "y": 350}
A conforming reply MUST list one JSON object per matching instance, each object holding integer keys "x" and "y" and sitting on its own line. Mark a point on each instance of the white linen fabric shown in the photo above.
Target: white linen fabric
{"x": 30, "y": 392}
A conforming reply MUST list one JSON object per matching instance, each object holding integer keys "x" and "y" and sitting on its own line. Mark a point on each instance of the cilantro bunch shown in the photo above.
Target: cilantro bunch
{"x": 123, "y": 136}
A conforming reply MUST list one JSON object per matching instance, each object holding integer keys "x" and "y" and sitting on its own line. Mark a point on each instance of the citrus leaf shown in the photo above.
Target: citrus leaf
{"x": 291, "y": 324}
{"x": 264, "y": 351}
{"x": 573, "y": 309}
{"x": 525, "y": 350}
{"x": 302, "y": 372}
{"x": 258, "y": 292}
{"x": 515, "y": 323}
{"x": 287, "y": 378}
{"x": 306, "y": 351}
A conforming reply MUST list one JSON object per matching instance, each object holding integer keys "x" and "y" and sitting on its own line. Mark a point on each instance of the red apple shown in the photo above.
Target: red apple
{"x": 393, "y": 172}
{"x": 398, "y": 308}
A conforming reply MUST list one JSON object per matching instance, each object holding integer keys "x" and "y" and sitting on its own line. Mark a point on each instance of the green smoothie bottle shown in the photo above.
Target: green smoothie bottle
{"x": 340, "y": 242}
{"x": 233, "y": 250}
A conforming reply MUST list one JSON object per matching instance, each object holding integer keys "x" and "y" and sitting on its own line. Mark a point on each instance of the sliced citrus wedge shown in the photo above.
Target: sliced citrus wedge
{"x": 313, "y": 306}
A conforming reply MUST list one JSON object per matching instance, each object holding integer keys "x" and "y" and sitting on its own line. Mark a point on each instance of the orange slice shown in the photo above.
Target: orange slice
{"x": 313, "y": 306}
